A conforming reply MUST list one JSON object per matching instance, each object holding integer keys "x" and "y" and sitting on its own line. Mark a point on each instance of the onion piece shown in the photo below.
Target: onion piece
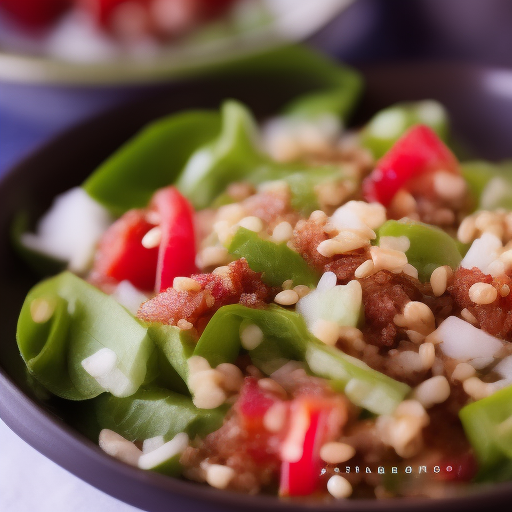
{"x": 70, "y": 230}
{"x": 466, "y": 343}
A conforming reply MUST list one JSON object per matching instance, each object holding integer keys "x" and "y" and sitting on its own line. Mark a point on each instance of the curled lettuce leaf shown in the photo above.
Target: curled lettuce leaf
{"x": 65, "y": 320}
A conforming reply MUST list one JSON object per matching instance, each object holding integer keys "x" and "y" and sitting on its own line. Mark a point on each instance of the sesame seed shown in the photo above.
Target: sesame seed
{"x": 504, "y": 290}
{"x": 212, "y": 257}
{"x": 449, "y": 186}
{"x": 251, "y": 223}
{"x": 326, "y": 331}
{"x": 427, "y": 354}
{"x": 476, "y": 389}
{"x": 364, "y": 270}
{"x": 346, "y": 241}
{"x": 432, "y": 391}
{"x": 462, "y": 372}
{"x": 483, "y": 293}
{"x": 153, "y": 217}
{"x": 251, "y": 336}
{"x": 152, "y": 238}
{"x": 417, "y": 317}
{"x": 415, "y": 336}
{"x": 339, "y": 487}
{"x": 275, "y": 417}
{"x": 231, "y": 213}
{"x": 287, "y": 285}
{"x": 439, "y": 279}
{"x": 411, "y": 408}
{"x": 467, "y": 230}
{"x": 335, "y": 453}
{"x": 403, "y": 204}
{"x": 208, "y": 396}
{"x": 185, "y": 284}
{"x": 233, "y": 377}
{"x": 410, "y": 271}
{"x": 223, "y": 271}
{"x": 387, "y": 259}
{"x": 184, "y": 325}
{"x": 318, "y": 216}
{"x": 286, "y": 298}
{"x": 396, "y": 243}
{"x": 302, "y": 290}
{"x": 197, "y": 364}
{"x": 119, "y": 447}
{"x": 41, "y": 310}
{"x": 219, "y": 476}
{"x": 282, "y": 232}
{"x": 468, "y": 316}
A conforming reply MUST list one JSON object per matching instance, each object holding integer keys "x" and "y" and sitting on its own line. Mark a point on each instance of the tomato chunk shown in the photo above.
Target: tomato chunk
{"x": 313, "y": 422}
{"x": 121, "y": 255}
{"x": 177, "y": 253}
{"x": 418, "y": 152}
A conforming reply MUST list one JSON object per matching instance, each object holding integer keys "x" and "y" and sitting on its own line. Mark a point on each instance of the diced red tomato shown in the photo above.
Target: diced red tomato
{"x": 417, "y": 153}
{"x": 252, "y": 405}
{"x": 35, "y": 13}
{"x": 177, "y": 253}
{"x": 313, "y": 422}
{"x": 121, "y": 255}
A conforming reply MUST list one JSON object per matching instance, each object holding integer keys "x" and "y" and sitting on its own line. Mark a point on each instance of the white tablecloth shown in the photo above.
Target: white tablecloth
{"x": 29, "y": 482}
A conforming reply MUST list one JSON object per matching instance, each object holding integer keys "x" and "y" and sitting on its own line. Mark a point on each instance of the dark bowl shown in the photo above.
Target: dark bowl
{"x": 480, "y": 103}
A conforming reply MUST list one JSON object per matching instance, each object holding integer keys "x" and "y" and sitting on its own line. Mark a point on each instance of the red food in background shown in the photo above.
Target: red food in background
{"x": 132, "y": 19}
{"x": 417, "y": 154}
{"x": 35, "y": 13}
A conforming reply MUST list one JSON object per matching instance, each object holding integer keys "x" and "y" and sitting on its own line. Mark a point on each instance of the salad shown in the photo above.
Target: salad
{"x": 291, "y": 308}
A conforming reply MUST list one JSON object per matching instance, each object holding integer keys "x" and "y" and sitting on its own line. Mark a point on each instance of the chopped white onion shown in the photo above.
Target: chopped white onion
{"x": 70, "y": 230}
{"x": 327, "y": 281}
{"x": 359, "y": 215}
{"x": 100, "y": 363}
{"x": 340, "y": 304}
{"x": 102, "y": 367}
{"x": 504, "y": 369}
{"x": 165, "y": 452}
{"x": 466, "y": 343}
{"x": 152, "y": 444}
{"x": 482, "y": 253}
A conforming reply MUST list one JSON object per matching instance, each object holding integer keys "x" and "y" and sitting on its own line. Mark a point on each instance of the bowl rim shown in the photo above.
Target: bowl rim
{"x": 15, "y": 405}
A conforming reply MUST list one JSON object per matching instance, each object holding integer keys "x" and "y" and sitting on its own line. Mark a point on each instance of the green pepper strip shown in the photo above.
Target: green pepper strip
{"x": 74, "y": 320}
{"x": 286, "y": 337}
{"x": 479, "y": 174}
{"x": 277, "y": 261}
{"x": 488, "y": 426}
{"x": 430, "y": 246}
{"x": 397, "y": 119}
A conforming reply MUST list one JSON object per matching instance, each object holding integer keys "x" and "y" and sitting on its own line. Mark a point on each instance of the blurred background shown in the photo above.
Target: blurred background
{"x": 62, "y": 61}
